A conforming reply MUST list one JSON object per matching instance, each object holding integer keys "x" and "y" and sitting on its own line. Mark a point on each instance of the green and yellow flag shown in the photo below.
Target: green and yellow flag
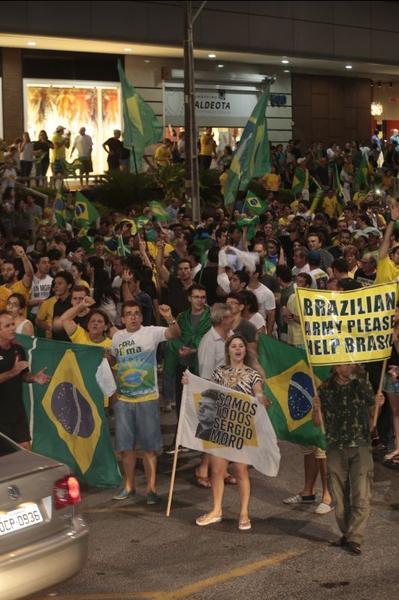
{"x": 250, "y": 223}
{"x": 59, "y": 210}
{"x": 141, "y": 126}
{"x": 159, "y": 211}
{"x": 254, "y": 204}
{"x": 85, "y": 212}
{"x": 67, "y": 417}
{"x": 362, "y": 173}
{"x": 289, "y": 387}
{"x": 298, "y": 181}
{"x": 314, "y": 207}
{"x": 252, "y": 157}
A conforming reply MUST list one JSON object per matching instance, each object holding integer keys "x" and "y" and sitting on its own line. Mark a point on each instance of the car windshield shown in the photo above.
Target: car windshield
{"x": 7, "y": 446}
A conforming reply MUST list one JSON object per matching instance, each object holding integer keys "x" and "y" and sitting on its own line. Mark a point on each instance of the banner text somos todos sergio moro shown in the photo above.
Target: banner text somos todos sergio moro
{"x": 343, "y": 327}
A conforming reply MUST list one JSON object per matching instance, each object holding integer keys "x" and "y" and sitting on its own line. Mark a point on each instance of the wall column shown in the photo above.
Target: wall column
{"x": 13, "y": 104}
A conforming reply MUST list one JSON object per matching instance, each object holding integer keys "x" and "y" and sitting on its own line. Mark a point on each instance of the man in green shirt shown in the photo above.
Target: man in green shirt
{"x": 347, "y": 403}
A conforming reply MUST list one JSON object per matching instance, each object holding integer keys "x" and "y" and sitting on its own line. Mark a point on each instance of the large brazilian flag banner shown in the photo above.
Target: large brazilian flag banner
{"x": 67, "y": 417}
{"x": 289, "y": 387}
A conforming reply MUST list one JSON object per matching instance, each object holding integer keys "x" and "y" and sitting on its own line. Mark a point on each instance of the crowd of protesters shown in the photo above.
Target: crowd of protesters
{"x": 194, "y": 286}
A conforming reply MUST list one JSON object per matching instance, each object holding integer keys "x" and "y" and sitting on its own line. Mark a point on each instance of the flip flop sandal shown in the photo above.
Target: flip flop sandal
{"x": 230, "y": 480}
{"x": 244, "y": 524}
{"x": 203, "y": 482}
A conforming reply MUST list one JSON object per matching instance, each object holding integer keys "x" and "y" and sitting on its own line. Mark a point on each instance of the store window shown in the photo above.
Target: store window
{"x": 93, "y": 105}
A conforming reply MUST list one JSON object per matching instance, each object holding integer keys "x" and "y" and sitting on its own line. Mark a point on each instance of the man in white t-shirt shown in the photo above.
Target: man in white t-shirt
{"x": 301, "y": 264}
{"x": 137, "y": 419}
{"x": 84, "y": 145}
{"x": 265, "y": 297}
{"x": 41, "y": 284}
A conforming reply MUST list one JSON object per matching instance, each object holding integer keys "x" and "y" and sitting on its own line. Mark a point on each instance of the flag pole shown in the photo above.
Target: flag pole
{"x": 177, "y": 444}
{"x": 312, "y": 375}
{"x": 380, "y": 386}
{"x": 134, "y": 160}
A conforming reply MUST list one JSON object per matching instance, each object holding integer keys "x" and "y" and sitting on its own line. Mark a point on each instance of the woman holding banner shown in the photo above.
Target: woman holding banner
{"x": 240, "y": 376}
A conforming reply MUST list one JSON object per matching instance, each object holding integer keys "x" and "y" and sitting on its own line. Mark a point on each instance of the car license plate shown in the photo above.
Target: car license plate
{"x": 20, "y": 518}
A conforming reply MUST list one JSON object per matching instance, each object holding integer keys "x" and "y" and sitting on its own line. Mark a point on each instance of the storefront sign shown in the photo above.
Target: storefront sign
{"x": 213, "y": 107}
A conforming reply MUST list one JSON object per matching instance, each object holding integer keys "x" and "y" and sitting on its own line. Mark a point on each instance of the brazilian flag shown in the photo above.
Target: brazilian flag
{"x": 159, "y": 211}
{"x": 67, "y": 415}
{"x": 250, "y": 223}
{"x": 252, "y": 157}
{"x": 87, "y": 242}
{"x": 362, "y": 174}
{"x": 141, "y": 221}
{"x": 141, "y": 126}
{"x": 298, "y": 181}
{"x": 254, "y": 204}
{"x": 59, "y": 210}
{"x": 85, "y": 212}
{"x": 289, "y": 386}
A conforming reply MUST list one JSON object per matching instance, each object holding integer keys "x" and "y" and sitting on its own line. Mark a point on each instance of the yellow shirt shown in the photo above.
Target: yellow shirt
{"x": 57, "y": 153}
{"x": 82, "y": 282}
{"x": 46, "y": 313}
{"x": 81, "y": 336}
{"x": 222, "y": 179}
{"x": 4, "y": 296}
{"x": 387, "y": 271}
{"x": 162, "y": 156}
{"x": 272, "y": 182}
{"x": 330, "y": 206}
{"x": 153, "y": 250}
{"x": 20, "y": 288}
{"x": 294, "y": 205}
{"x": 294, "y": 330}
{"x": 207, "y": 145}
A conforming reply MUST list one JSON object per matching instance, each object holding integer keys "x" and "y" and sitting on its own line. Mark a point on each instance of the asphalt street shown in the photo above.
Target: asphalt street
{"x": 136, "y": 552}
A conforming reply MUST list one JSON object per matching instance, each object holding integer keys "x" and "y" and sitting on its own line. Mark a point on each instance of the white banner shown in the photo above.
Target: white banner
{"x": 229, "y": 424}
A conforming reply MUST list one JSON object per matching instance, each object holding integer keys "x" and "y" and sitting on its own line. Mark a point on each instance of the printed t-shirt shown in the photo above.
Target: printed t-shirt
{"x": 136, "y": 363}
{"x": 40, "y": 290}
{"x": 387, "y": 271}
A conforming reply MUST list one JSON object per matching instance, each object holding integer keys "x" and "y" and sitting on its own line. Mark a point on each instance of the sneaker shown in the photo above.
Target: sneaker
{"x": 123, "y": 494}
{"x": 323, "y": 508}
{"x": 298, "y": 499}
{"x": 153, "y": 498}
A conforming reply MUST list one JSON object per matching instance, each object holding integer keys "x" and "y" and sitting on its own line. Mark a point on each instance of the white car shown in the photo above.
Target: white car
{"x": 43, "y": 540}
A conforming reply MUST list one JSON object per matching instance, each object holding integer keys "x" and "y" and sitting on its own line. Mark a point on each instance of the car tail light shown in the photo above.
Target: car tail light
{"x": 66, "y": 492}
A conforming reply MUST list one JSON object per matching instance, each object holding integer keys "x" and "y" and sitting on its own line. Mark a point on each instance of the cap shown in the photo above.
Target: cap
{"x": 300, "y": 160}
{"x": 372, "y": 231}
{"x": 60, "y": 128}
{"x": 360, "y": 233}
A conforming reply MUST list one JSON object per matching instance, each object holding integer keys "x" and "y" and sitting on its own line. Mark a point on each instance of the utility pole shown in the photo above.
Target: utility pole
{"x": 190, "y": 128}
